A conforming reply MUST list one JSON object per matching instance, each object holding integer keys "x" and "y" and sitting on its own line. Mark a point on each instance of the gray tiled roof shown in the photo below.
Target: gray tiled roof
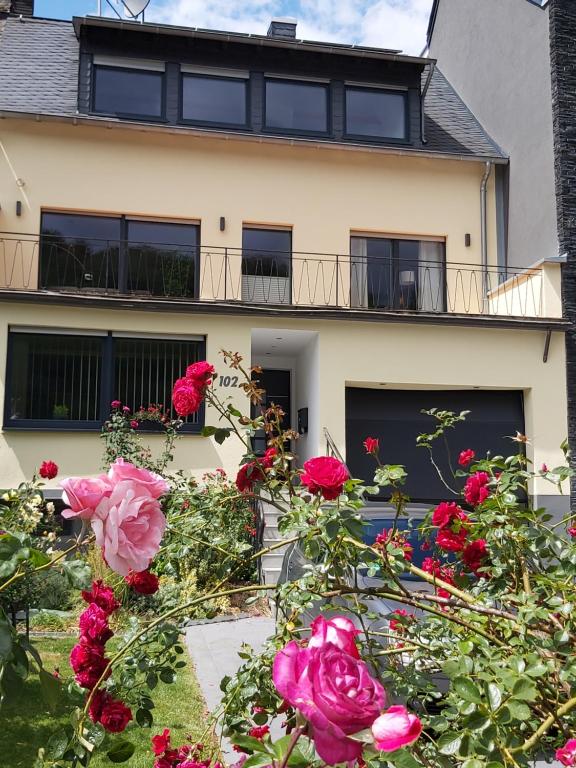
{"x": 38, "y": 66}
{"x": 39, "y": 75}
{"x": 449, "y": 124}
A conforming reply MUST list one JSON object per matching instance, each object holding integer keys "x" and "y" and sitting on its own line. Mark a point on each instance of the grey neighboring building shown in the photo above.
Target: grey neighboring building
{"x": 496, "y": 54}
{"x": 514, "y": 63}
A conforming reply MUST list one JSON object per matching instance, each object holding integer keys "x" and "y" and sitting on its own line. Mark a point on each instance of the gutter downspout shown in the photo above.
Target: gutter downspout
{"x": 422, "y": 97}
{"x": 484, "y": 226}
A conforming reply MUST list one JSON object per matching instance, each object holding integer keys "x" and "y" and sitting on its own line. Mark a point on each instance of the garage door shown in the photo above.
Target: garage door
{"x": 395, "y": 418}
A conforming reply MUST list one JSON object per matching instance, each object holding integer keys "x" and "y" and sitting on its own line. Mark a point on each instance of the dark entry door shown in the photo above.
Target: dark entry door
{"x": 277, "y": 391}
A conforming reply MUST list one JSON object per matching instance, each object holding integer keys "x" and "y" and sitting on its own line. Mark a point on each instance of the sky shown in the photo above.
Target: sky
{"x": 397, "y": 24}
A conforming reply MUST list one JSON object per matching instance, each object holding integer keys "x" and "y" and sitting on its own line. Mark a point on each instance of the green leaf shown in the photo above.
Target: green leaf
{"x": 6, "y": 640}
{"x": 525, "y": 689}
{"x": 207, "y": 431}
{"x": 121, "y": 751}
{"x": 51, "y": 689}
{"x": 167, "y": 676}
{"x": 20, "y": 662}
{"x": 494, "y": 696}
{"x": 220, "y": 435}
{"x": 472, "y": 763}
{"x": 467, "y": 690}
{"x": 257, "y": 760}
{"x": 78, "y": 573}
{"x": 249, "y": 742}
{"x": 38, "y": 558}
{"x": 144, "y": 718}
{"x": 402, "y": 758}
{"x": 449, "y": 743}
{"x": 518, "y": 710}
{"x": 57, "y": 744}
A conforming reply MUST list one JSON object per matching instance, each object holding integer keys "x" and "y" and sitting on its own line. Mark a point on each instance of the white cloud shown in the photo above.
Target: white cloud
{"x": 398, "y": 24}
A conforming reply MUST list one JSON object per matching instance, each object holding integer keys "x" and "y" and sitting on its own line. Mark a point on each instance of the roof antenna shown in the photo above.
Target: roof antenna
{"x": 133, "y": 9}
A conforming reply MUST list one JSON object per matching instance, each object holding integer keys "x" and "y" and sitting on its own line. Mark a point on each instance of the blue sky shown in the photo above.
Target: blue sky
{"x": 399, "y": 24}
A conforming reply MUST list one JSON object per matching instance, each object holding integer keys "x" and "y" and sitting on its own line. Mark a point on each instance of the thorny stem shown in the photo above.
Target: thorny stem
{"x": 295, "y": 735}
{"x": 545, "y": 727}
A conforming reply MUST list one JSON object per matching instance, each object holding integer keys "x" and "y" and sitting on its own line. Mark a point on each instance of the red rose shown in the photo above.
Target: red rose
{"x": 115, "y": 404}
{"x": 48, "y": 470}
{"x": 134, "y": 424}
{"x": 466, "y": 457}
{"x": 186, "y": 396}
{"x": 253, "y": 472}
{"x": 475, "y": 556}
{"x": 143, "y": 582}
{"x": 112, "y": 713}
{"x": 89, "y": 663}
{"x": 200, "y": 373}
{"x": 93, "y": 624}
{"x": 103, "y": 596}
{"x": 259, "y": 731}
{"x": 571, "y": 531}
{"x": 446, "y": 512}
{"x": 442, "y": 572}
{"x": 325, "y": 475}
{"x": 475, "y": 491}
{"x": 161, "y": 742}
{"x": 396, "y": 624}
{"x": 372, "y": 445}
{"x": 451, "y": 541}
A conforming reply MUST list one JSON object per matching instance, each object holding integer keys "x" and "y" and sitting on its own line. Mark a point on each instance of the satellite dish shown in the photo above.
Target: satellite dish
{"x": 134, "y": 8}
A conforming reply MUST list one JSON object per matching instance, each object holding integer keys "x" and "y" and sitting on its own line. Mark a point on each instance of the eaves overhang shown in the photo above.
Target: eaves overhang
{"x": 262, "y": 41}
{"x": 191, "y": 307}
{"x": 296, "y": 141}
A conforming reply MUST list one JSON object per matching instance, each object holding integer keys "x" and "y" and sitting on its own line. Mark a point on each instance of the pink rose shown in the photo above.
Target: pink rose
{"x": 123, "y": 470}
{"x": 325, "y": 475}
{"x": 129, "y": 526}
{"x": 187, "y": 397}
{"x": 567, "y": 754}
{"x": 339, "y": 631}
{"x": 93, "y": 623}
{"x": 83, "y": 494}
{"x": 334, "y": 692}
{"x": 395, "y": 729}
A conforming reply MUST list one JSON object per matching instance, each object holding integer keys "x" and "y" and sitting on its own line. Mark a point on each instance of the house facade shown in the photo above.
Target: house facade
{"x": 514, "y": 65}
{"x": 332, "y": 213}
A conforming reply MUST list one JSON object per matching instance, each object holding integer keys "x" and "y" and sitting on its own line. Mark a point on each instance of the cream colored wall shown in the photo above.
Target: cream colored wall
{"x": 322, "y": 194}
{"x": 346, "y": 353}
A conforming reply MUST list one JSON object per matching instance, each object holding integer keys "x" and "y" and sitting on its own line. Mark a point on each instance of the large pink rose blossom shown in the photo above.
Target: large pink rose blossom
{"x": 123, "y": 470}
{"x": 129, "y": 526}
{"x": 339, "y": 631}
{"x": 567, "y": 754}
{"x": 325, "y": 475}
{"x": 395, "y": 728}
{"x": 334, "y": 692}
{"x": 83, "y": 494}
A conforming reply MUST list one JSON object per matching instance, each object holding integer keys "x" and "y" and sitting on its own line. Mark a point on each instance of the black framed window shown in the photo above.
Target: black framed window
{"x": 266, "y": 265}
{"x": 375, "y": 113}
{"x": 67, "y": 380}
{"x": 119, "y": 254}
{"x": 128, "y": 92}
{"x": 388, "y": 273}
{"x": 218, "y": 101}
{"x": 296, "y": 106}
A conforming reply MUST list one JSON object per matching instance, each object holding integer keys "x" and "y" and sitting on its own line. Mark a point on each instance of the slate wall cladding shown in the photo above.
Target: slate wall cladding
{"x": 563, "y": 71}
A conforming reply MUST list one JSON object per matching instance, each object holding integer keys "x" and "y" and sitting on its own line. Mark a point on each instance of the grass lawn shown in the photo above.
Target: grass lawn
{"x": 26, "y": 723}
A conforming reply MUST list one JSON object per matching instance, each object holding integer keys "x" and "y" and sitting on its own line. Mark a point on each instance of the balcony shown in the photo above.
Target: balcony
{"x": 348, "y": 283}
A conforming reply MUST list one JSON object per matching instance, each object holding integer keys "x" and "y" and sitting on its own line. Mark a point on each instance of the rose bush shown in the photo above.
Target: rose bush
{"x": 476, "y": 669}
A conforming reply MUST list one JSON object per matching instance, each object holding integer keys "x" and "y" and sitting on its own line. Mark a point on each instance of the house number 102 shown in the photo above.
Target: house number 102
{"x": 228, "y": 381}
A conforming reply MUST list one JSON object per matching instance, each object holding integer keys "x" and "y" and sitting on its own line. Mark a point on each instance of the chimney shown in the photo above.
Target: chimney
{"x": 17, "y": 7}
{"x": 281, "y": 29}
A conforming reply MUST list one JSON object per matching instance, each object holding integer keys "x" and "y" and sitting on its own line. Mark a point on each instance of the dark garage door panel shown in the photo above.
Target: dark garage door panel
{"x": 394, "y": 416}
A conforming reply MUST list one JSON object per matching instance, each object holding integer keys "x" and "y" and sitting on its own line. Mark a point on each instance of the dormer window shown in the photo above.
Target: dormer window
{"x": 215, "y": 98}
{"x": 128, "y": 88}
{"x": 375, "y": 113}
{"x": 296, "y": 106}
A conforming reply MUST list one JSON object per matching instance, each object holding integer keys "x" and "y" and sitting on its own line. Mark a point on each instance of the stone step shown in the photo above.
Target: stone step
{"x": 272, "y": 560}
{"x": 270, "y": 575}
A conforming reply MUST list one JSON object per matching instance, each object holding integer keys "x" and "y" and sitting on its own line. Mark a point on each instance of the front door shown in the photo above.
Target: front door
{"x": 277, "y": 391}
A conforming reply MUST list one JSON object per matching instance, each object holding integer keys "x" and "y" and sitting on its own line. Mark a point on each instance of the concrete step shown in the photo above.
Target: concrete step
{"x": 270, "y": 576}
{"x": 272, "y": 560}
